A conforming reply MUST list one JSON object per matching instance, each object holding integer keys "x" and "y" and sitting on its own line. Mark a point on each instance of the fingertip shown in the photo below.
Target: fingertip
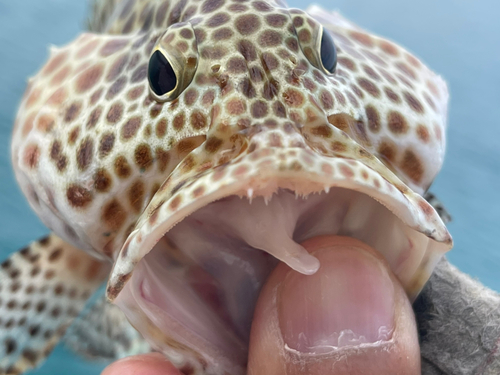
{"x": 297, "y": 318}
{"x": 150, "y": 364}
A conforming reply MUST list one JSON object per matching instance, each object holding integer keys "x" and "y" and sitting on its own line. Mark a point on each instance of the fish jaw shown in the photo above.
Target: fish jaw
{"x": 346, "y": 186}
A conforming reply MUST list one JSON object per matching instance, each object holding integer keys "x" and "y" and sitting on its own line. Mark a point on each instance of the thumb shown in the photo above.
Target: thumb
{"x": 351, "y": 317}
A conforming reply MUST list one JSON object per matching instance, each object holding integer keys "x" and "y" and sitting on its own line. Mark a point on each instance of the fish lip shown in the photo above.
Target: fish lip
{"x": 275, "y": 169}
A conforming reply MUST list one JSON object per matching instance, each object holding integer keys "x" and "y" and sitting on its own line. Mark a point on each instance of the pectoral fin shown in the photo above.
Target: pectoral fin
{"x": 103, "y": 332}
{"x": 43, "y": 287}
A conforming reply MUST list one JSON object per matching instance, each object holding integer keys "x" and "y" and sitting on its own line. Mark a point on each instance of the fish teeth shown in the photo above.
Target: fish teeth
{"x": 250, "y": 194}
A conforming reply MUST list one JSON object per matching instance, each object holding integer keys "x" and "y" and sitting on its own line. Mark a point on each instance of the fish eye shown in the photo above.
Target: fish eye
{"x": 328, "y": 52}
{"x": 172, "y": 65}
{"x": 319, "y": 49}
{"x": 161, "y": 75}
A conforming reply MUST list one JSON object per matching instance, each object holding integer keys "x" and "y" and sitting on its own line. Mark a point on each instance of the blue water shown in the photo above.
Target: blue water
{"x": 460, "y": 39}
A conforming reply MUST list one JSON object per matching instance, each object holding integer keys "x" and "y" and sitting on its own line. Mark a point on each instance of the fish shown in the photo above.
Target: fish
{"x": 179, "y": 150}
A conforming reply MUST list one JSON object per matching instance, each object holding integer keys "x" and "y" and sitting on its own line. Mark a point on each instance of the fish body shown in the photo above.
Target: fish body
{"x": 179, "y": 143}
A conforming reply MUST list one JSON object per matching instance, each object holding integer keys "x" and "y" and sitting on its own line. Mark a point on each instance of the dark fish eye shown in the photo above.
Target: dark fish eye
{"x": 161, "y": 75}
{"x": 328, "y": 52}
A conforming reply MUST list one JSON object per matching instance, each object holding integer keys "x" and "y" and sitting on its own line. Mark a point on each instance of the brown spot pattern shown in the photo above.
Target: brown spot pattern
{"x": 88, "y": 78}
{"x": 122, "y": 167}
{"x": 94, "y": 117}
{"x": 247, "y": 24}
{"x": 31, "y": 156}
{"x": 270, "y": 38}
{"x": 198, "y": 120}
{"x": 213, "y": 144}
{"x": 412, "y": 166}
{"x": 293, "y": 98}
{"x": 387, "y": 150}
{"x": 85, "y": 154}
{"x": 72, "y": 112}
{"x": 57, "y": 156}
{"x": 259, "y": 109}
{"x": 341, "y": 121}
{"x": 369, "y": 87}
{"x": 178, "y": 122}
{"x": 115, "y": 113}
{"x": 114, "y": 215}
{"x": 129, "y": 129}
{"x": 393, "y": 97}
{"x": 136, "y": 195}
{"x": 78, "y": 196}
{"x": 373, "y": 118}
{"x": 143, "y": 157}
{"x": 102, "y": 180}
{"x": 423, "y": 133}
{"x": 397, "y": 123}
{"x": 106, "y": 144}
{"x": 413, "y": 102}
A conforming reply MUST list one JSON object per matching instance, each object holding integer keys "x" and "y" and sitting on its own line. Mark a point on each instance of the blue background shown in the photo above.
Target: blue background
{"x": 460, "y": 39}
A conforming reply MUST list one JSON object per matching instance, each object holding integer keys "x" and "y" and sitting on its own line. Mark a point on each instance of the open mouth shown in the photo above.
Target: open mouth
{"x": 189, "y": 276}
{"x": 194, "y": 293}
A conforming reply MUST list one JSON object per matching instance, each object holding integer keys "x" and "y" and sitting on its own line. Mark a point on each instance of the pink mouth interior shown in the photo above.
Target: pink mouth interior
{"x": 200, "y": 283}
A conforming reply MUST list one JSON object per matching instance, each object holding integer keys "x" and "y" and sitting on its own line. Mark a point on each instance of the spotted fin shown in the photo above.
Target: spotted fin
{"x": 103, "y": 333}
{"x": 120, "y": 16}
{"x": 439, "y": 207}
{"x": 102, "y": 11}
{"x": 43, "y": 287}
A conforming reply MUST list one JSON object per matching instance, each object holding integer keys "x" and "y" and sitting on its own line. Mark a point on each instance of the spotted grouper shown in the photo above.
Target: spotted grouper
{"x": 181, "y": 149}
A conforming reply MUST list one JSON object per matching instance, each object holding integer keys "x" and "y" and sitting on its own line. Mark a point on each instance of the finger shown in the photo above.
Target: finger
{"x": 146, "y": 364}
{"x": 351, "y": 317}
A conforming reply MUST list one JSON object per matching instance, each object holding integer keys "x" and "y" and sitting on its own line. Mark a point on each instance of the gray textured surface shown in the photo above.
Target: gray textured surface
{"x": 459, "y": 325}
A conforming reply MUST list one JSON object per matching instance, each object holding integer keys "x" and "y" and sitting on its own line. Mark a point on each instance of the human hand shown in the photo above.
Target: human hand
{"x": 297, "y": 317}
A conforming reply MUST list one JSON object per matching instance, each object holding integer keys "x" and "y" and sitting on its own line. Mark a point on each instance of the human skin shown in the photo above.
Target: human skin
{"x": 297, "y": 319}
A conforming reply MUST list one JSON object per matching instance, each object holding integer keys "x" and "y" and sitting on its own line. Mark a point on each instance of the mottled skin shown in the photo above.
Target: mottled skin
{"x": 110, "y": 169}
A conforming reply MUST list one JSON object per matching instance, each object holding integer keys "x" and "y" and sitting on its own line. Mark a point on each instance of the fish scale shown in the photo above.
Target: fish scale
{"x": 110, "y": 167}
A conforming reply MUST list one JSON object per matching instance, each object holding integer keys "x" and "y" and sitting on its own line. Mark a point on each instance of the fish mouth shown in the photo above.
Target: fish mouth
{"x": 192, "y": 293}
